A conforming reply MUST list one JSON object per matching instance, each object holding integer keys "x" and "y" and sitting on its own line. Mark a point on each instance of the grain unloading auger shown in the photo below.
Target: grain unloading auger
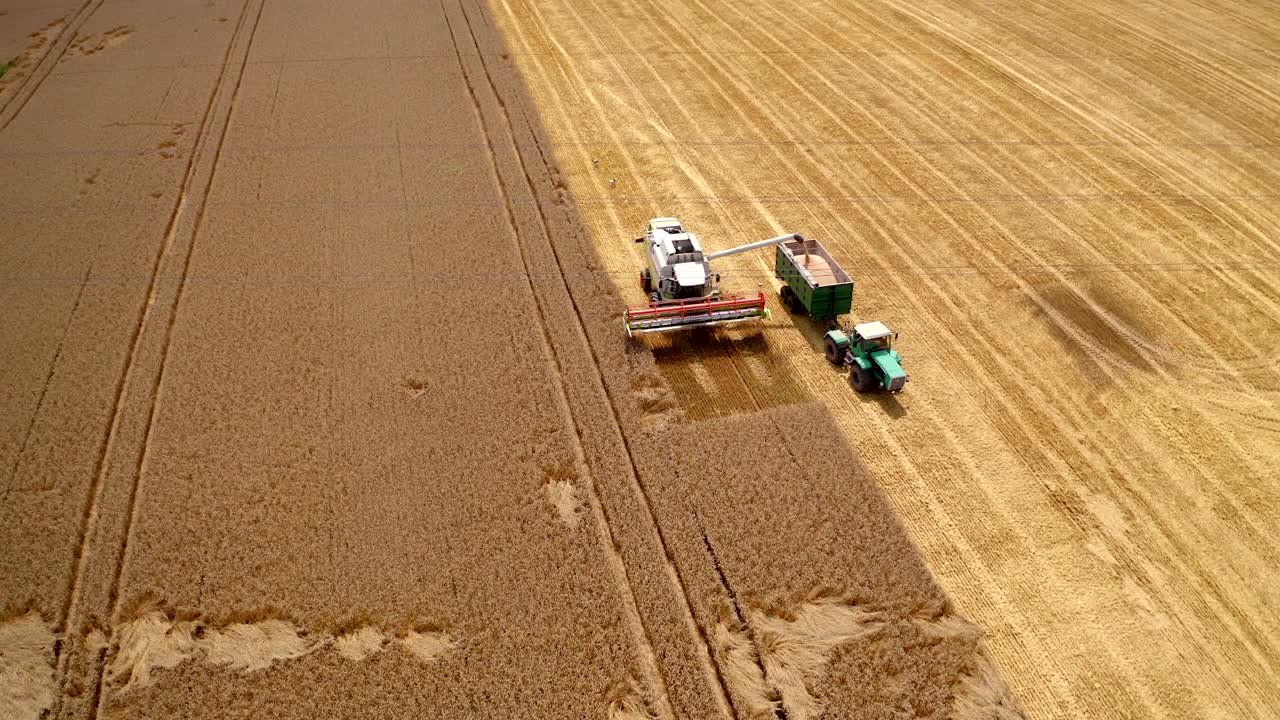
{"x": 683, "y": 291}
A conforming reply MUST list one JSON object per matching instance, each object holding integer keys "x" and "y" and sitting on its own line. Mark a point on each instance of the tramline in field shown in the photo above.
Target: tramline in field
{"x": 684, "y": 292}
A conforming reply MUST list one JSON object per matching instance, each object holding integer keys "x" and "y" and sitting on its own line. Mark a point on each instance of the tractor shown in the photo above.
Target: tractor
{"x": 868, "y": 351}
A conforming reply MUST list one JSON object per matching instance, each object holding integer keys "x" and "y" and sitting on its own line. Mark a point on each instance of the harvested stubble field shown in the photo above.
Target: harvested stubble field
{"x": 1069, "y": 212}
{"x": 317, "y": 402}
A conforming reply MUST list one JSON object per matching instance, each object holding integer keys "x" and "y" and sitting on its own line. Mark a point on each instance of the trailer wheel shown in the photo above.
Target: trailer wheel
{"x": 789, "y": 299}
{"x": 861, "y": 380}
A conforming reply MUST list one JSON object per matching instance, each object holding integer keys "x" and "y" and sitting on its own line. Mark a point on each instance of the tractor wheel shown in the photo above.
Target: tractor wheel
{"x": 834, "y": 352}
{"x": 789, "y": 299}
{"x": 646, "y": 280}
{"x": 861, "y": 380}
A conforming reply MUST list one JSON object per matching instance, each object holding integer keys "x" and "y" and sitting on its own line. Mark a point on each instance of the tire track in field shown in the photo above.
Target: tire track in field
{"x": 902, "y": 457}
{"x": 1246, "y": 626}
{"x": 724, "y": 350}
{"x": 1119, "y": 329}
{"x": 44, "y": 387}
{"x": 176, "y": 305}
{"x": 1227, "y": 278}
{"x": 1177, "y": 90}
{"x": 728, "y": 367}
{"x": 1086, "y": 112}
{"x": 28, "y": 86}
{"x": 608, "y": 541}
{"x": 109, "y": 435}
{"x": 89, "y": 522}
{"x": 100, "y": 696}
{"x": 685, "y": 386}
{"x": 1051, "y": 473}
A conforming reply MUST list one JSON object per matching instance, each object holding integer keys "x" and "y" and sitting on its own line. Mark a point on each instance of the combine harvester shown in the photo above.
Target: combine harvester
{"x": 684, "y": 293}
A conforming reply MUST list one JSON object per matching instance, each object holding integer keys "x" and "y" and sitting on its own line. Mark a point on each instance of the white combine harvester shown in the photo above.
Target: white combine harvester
{"x": 683, "y": 291}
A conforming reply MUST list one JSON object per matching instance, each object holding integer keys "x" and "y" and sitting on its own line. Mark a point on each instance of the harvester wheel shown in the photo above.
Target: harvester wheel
{"x": 646, "y": 280}
{"x": 861, "y": 380}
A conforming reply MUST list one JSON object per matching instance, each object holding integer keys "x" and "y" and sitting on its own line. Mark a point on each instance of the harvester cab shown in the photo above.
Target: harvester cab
{"x": 677, "y": 268}
{"x": 683, "y": 291}
{"x": 868, "y": 351}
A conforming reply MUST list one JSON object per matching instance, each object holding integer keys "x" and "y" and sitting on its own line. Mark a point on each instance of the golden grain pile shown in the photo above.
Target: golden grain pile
{"x": 319, "y": 406}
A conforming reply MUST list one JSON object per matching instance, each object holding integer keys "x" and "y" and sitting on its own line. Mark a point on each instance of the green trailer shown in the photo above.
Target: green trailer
{"x": 816, "y": 285}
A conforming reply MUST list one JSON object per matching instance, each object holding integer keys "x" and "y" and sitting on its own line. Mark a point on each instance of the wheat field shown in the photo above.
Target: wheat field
{"x": 317, "y": 401}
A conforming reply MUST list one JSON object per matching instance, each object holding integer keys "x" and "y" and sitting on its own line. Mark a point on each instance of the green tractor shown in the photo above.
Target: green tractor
{"x": 869, "y": 353}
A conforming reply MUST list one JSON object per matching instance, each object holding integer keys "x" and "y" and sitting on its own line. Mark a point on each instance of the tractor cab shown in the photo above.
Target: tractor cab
{"x": 873, "y": 336}
{"x": 869, "y": 355}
